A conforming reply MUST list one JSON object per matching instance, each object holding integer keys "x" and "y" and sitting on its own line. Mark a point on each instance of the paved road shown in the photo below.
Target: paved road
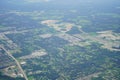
{"x": 18, "y": 64}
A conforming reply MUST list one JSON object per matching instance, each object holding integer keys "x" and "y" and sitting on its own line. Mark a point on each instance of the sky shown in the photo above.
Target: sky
{"x": 57, "y": 3}
{"x": 36, "y": 1}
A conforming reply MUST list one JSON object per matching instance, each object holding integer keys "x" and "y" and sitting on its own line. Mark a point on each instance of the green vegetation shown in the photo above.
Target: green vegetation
{"x": 3, "y": 77}
{"x": 77, "y": 44}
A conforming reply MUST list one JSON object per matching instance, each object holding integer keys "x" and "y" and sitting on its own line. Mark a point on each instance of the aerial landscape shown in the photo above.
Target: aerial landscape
{"x": 60, "y": 40}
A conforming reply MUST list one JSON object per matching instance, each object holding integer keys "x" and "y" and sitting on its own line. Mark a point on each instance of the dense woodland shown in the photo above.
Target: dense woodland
{"x": 64, "y": 60}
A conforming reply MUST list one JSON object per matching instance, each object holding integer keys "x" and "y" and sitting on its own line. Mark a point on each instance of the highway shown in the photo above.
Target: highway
{"x": 17, "y": 63}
